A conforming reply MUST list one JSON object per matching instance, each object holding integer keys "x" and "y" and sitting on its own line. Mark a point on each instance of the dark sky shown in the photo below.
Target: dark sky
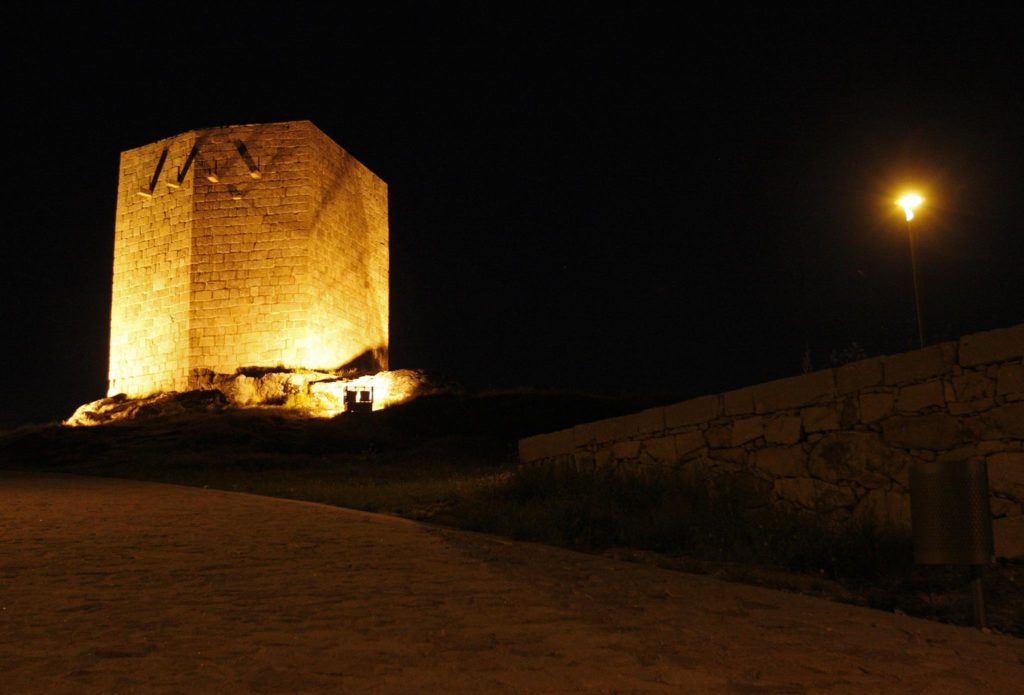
{"x": 615, "y": 203}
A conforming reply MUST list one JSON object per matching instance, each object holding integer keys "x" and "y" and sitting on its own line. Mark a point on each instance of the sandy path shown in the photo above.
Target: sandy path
{"x": 118, "y": 586}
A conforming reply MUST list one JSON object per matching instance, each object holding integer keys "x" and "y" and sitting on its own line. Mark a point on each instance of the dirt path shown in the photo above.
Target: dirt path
{"x": 118, "y": 586}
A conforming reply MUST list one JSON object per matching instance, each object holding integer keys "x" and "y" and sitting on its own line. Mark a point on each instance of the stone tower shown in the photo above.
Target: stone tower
{"x": 246, "y": 246}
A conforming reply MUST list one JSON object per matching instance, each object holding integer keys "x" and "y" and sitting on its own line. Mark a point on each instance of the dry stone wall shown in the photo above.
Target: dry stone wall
{"x": 838, "y": 442}
{"x": 257, "y": 245}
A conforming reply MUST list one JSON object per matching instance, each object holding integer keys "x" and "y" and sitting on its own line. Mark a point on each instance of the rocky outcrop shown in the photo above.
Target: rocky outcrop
{"x": 121, "y": 407}
{"x": 313, "y": 393}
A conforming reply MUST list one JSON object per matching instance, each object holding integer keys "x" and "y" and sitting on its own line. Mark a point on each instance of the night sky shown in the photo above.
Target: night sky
{"x": 628, "y": 203}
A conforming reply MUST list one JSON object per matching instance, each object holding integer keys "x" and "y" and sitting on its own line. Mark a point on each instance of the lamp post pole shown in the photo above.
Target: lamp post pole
{"x": 908, "y": 203}
{"x": 917, "y": 283}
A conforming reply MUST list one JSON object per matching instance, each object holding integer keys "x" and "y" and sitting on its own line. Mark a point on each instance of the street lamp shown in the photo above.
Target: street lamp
{"x": 909, "y": 203}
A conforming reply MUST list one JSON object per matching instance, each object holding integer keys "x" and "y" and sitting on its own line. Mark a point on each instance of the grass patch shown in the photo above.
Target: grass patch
{"x": 720, "y": 529}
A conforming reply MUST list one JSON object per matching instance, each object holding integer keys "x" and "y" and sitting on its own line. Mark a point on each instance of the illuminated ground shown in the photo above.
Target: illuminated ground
{"x": 112, "y": 585}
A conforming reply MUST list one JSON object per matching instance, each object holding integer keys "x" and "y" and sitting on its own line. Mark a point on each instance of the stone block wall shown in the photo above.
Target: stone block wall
{"x": 151, "y": 285}
{"x": 350, "y": 245}
{"x": 250, "y": 291}
{"x": 258, "y": 245}
{"x": 838, "y": 442}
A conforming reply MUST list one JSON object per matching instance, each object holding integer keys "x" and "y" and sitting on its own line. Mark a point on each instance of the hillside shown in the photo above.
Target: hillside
{"x": 378, "y": 461}
{"x": 451, "y": 459}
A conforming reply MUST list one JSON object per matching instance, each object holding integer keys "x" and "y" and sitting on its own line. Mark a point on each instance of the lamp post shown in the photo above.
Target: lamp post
{"x": 909, "y": 203}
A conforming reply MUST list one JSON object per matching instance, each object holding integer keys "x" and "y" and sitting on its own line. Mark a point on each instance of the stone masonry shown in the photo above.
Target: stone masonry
{"x": 838, "y": 442}
{"x": 246, "y": 246}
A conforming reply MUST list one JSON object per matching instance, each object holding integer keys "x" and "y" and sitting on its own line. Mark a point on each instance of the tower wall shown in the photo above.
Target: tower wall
{"x": 349, "y": 262}
{"x": 152, "y": 255}
{"x": 272, "y": 250}
{"x": 250, "y": 280}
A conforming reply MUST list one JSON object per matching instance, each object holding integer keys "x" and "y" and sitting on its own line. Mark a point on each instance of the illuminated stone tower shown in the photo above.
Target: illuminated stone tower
{"x": 255, "y": 245}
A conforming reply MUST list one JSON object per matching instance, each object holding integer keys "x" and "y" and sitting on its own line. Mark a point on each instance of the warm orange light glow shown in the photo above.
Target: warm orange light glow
{"x": 314, "y": 394}
{"x": 909, "y": 202}
{"x": 218, "y": 278}
{"x": 327, "y": 398}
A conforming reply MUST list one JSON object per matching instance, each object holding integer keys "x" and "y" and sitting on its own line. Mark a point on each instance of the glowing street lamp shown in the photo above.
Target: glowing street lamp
{"x": 909, "y": 203}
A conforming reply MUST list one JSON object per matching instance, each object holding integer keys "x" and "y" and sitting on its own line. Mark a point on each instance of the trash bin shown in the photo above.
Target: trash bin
{"x": 952, "y": 520}
{"x": 950, "y": 513}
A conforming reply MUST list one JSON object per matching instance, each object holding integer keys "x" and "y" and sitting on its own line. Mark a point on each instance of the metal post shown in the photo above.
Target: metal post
{"x": 977, "y": 572}
{"x": 917, "y": 283}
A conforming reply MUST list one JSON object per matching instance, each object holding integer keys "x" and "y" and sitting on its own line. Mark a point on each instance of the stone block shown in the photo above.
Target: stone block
{"x": 856, "y": 376}
{"x": 992, "y": 346}
{"x": 584, "y": 435}
{"x": 693, "y": 412}
{"x": 970, "y": 407}
{"x": 1008, "y": 534}
{"x": 794, "y": 392}
{"x": 738, "y": 402}
{"x": 719, "y": 437}
{"x": 1004, "y": 507}
{"x": 625, "y": 450}
{"x": 735, "y": 455}
{"x": 820, "y": 419}
{"x": 1006, "y": 474}
{"x": 781, "y": 461}
{"x": 849, "y": 413}
{"x": 1002, "y": 422}
{"x": 651, "y": 420}
{"x": 998, "y": 446}
{"x": 875, "y": 406}
{"x": 934, "y": 431}
{"x": 688, "y": 442}
{"x": 784, "y": 429}
{"x": 908, "y": 367}
{"x": 947, "y": 386}
{"x": 616, "y": 428}
{"x": 859, "y": 457}
{"x": 912, "y": 399}
{"x": 746, "y": 430}
{"x": 972, "y": 386}
{"x": 628, "y": 426}
{"x": 582, "y": 460}
{"x": 661, "y": 449}
{"x": 963, "y": 453}
{"x": 1010, "y": 379}
{"x": 544, "y": 446}
{"x": 833, "y": 497}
